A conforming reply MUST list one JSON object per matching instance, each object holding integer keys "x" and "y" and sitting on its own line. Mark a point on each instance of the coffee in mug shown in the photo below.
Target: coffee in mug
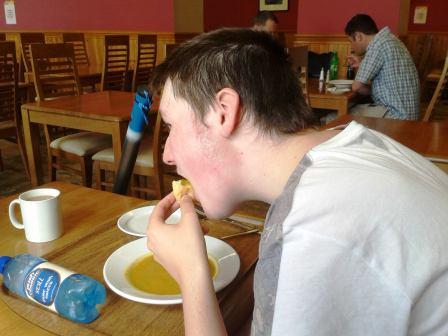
{"x": 41, "y": 214}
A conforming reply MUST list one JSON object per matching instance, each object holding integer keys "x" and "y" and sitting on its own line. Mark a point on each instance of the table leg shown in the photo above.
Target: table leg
{"x": 32, "y": 141}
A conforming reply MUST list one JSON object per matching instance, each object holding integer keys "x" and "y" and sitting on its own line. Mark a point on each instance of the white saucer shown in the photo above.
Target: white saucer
{"x": 134, "y": 222}
{"x": 342, "y": 83}
{"x": 338, "y": 91}
{"x": 116, "y": 265}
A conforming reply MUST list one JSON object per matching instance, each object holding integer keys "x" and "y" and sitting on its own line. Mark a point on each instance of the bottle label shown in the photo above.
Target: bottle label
{"x": 42, "y": 283}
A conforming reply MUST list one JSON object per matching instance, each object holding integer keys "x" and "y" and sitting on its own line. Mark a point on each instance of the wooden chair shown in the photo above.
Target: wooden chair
{"x": 10, "y": 118}
{"x": 150, "y": 173}
{"x": 25, "y": 40}
{"x": 55, "y": 76}
{"x": 2, "y": 37}
{"x": 299, "y": 57}
{"x": 79, "y": 46}
{"x": 146, "y": 60}
{"x": 116, "y": 62}
{"x": 436, "y": 97}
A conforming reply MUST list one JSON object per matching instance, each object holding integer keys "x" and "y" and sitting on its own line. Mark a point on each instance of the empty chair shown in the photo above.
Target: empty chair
{"x": 299, "y": 57}
{"x": 55, "y": 76}
{"x": 25, "y": 40}
{"x": 116, "y": 62}
{"x": 146, "y": 60}
{"x": 10, "y": 120}
{"x": 79, "y": 46}
{"x": 436, "y": 97}
{"x": 149, "y": 170}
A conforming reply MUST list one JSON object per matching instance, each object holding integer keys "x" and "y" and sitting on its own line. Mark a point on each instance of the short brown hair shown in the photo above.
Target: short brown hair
{"x": 252, "y": 63}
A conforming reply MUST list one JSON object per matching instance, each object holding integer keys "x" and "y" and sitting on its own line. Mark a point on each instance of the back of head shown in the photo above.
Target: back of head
{"x": 263, "y": 16}
{"x": 250, "y": 62}
{"x": 361, "y": 23}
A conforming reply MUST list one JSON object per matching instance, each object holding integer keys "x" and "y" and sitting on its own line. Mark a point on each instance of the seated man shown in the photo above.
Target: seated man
{"x": 355, "y": 241}
{"x": 265, "y": 21}
{"x": 386, "y": 71}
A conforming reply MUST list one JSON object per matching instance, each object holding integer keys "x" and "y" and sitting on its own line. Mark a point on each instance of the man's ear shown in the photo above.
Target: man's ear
{"x": 227, "y": 110}
{"x": 359, "y": 37}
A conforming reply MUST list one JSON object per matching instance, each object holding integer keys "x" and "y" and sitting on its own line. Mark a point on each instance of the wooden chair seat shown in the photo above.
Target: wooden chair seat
{"x": 82, "y": 143}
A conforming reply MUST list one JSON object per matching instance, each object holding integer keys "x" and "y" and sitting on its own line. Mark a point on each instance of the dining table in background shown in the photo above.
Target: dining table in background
{"x": 341, "y": 103}
{"x": 107, "y": 112}
{"x": 90, "y": 236}
{"x": 429, "y": 139}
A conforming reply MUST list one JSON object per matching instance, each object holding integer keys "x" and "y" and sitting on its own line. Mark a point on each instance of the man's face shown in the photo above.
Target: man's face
{"x": 270, "y": 26}
{"x": 357, "y": 44}
{"x": 198, "y": 152}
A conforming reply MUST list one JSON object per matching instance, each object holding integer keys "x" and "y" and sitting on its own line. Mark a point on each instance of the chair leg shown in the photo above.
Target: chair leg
{"x": 52, "y": 163}
{"x": 97, "y": 175}
{"x": 86, "y": 171}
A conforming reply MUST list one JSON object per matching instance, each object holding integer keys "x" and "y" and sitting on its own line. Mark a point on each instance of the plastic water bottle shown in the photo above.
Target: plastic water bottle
{"x": 73, "y": 296}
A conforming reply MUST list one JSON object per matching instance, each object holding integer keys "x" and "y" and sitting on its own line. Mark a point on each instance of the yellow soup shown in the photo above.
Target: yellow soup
{"x": 149, "y": 276}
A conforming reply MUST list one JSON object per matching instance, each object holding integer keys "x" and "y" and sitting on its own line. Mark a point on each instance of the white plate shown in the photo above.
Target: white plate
{"x": 342, "y": 83}
{"x": 134, "y": 222}
{"x": 115, "y": 268}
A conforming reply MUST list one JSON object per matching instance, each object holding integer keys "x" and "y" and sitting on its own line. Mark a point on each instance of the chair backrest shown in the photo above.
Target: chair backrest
{"x": 116, "y": 62}
{"x": 25, "y": 40}
{"x": 2, "y": 37}
{"x": 441, "y": 84}
{"x": 54, "y": 70}
{"x": 79, "y": 46}
{"x": 146, "y": 60}
{"x": 299, "y": 57}
{"x": 8, "y": 82}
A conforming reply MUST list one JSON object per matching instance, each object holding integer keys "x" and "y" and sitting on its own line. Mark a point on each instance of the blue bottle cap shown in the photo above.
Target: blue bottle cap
{"x": 3, "y": 261}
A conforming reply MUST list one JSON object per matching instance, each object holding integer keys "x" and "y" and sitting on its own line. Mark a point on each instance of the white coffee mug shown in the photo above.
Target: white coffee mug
{"x": 41, "y": 214}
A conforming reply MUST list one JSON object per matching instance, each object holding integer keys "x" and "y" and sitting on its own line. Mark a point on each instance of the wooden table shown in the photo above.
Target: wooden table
{"x": 90, "y": 236}
{"x": 429, "y": 139}
{"x": 326, "y": 100}
{"x": 105, "y": 112}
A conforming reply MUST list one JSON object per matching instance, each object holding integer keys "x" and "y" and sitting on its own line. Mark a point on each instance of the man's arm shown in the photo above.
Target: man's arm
{"x": 361, "y": 88}
{"x": 181, "y": 249}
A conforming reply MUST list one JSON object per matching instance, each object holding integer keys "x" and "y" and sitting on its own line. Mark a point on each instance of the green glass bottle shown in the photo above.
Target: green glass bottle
{"x": 334, "y": 62}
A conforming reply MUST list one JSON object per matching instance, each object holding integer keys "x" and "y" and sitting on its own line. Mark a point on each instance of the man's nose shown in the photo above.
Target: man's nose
{"x": 167, "y": 153}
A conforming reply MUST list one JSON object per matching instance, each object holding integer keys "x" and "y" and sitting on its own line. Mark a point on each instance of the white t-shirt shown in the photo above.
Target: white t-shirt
{"x": 357, "y": 244}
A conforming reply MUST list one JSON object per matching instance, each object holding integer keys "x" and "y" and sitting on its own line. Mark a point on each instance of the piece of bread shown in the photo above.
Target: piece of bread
{"x": 181, "y": 188}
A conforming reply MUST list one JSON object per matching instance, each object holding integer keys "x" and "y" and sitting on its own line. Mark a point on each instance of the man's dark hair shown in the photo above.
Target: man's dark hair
{"x": 250, "y": 62}
{"x": 361, "y": 23}
{"x": 263, "y": 16}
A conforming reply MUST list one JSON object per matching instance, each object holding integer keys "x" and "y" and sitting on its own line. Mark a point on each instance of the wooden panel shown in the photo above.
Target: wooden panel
{"x": 439, "y": 46}
{"x": 323, "y": 44}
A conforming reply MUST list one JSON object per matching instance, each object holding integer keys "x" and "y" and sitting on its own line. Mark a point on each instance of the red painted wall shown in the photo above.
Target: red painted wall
{"x": 436, "y": 20}
{"x": 66, "y": 15}
{"x": 239, "y": 13}
{"x": 330, "y": 17}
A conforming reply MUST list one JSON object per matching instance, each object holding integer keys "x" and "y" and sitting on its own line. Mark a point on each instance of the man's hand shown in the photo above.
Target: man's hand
{"x": 180, "y": 248}
{"x": 354, "y": 61}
